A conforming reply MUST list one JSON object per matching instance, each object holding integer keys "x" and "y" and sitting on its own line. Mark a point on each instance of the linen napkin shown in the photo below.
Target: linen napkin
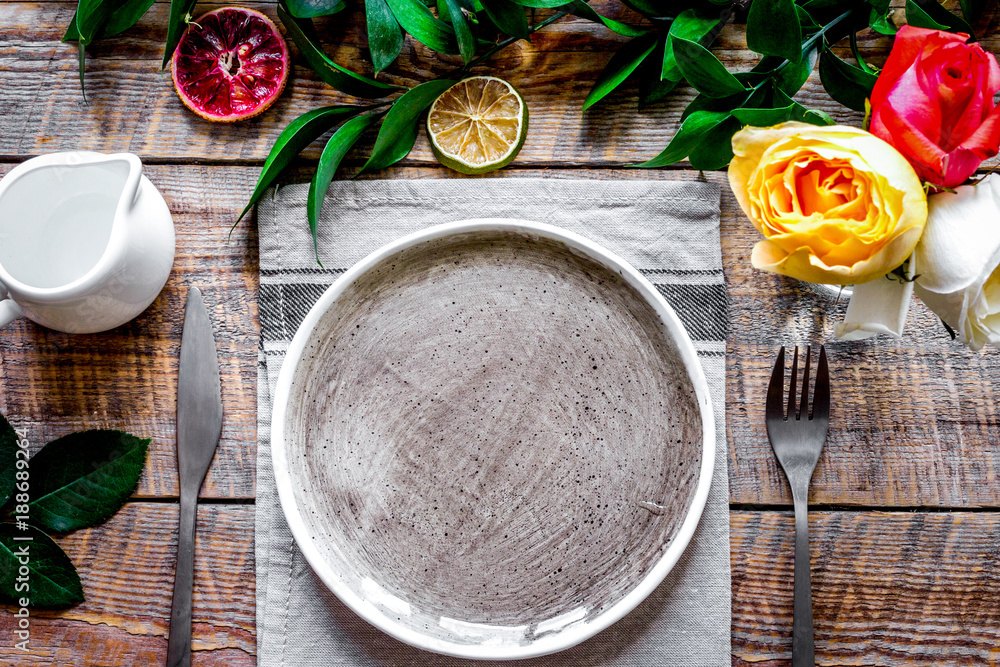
{"x": 667, "y": 230}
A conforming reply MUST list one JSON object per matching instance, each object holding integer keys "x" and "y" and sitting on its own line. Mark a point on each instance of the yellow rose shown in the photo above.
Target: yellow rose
{"x": 837, "y": 204}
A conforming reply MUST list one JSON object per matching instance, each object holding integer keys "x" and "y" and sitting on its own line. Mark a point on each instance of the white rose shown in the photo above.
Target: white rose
{"x": 957, "y": 261}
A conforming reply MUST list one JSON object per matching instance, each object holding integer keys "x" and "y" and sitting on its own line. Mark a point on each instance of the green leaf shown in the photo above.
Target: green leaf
{"x": 336, "y": 148}
{"x": 309, "y": 9}
{"x": 694, "y": 127}
{"x": 125, "y": 15}
{"x": 715, "y": 148}
{"x": 541, "y": 4}
{"x": 794, "y": 75}
{"x": 399, "y": 129}
{"x": 691, "y": 25}
{"x": 818, "y": 117}
{"x": 621, "y": 65}
{"x": 585, "y": 11}
{"x": 180, "y": 12}
{"x": 881, "y": 23}
{"x": 764, "y": 117}
{"x": 8, "y": 460}
{"x": 773, "y": 29}
{"x": 463, "y": 32}
{"x": 933, "y": 12}
{"x": 972, "y": 9}
{"x": 293, "y": 139}
{"x": 918, "y": 18}
{"x": 385, "y": 37}
{"x": 80, "y": 480}
{"x": 339, "y": 77}
{"x": 417, "y": 20}
{"x": 52, "y": 581}
{"x": 847, "y": 84}
{"x": 508, "y": 17}
{"x": 703, "y": 70}
{"x": 651, "y": 87}
{"x": 90, "y": 16}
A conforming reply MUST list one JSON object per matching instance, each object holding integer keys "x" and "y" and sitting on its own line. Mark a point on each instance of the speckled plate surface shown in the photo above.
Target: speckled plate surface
{"x": 492, "y": 438}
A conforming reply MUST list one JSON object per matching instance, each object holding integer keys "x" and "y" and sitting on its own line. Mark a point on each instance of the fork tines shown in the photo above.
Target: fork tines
{"x": 775, "y": 390}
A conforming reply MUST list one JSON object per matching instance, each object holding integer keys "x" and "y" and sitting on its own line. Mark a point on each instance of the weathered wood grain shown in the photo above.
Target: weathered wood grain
{"x": 889, "y": 588}
{"x": 127, "y": 568}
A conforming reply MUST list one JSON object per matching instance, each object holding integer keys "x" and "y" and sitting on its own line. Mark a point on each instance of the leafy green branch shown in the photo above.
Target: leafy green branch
{"x": 77, "y": 481}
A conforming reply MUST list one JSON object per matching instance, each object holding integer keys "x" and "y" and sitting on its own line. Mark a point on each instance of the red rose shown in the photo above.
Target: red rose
{"x": 933, "y": 101}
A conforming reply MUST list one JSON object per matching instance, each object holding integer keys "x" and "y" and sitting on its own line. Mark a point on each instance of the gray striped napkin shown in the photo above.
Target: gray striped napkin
{"x": 667, "y": 230}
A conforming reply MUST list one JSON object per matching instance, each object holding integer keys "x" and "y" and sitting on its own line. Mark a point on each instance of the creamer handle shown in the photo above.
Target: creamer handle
{"x": 134, "y": 181}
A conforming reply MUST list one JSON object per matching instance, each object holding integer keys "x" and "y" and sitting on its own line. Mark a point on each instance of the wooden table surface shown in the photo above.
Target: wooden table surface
{"x": 906, "y": 498}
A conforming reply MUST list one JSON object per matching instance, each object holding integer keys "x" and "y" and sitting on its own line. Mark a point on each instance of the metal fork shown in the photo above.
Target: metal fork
{"x": 797, "y": 440}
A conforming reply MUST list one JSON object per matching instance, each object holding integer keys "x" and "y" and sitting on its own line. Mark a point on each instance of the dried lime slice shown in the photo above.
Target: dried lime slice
{"x": 477, "y": 125}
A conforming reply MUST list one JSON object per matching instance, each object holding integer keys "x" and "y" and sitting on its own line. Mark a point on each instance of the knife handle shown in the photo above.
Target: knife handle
{"x": 179, "y": 639}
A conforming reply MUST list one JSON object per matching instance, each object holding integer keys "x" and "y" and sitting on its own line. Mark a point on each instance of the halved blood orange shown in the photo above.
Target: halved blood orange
{"x": 231, "y": 64}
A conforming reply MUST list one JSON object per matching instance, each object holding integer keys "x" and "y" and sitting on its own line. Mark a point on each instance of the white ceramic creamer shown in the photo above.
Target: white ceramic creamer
{"x": 86, "y": 241}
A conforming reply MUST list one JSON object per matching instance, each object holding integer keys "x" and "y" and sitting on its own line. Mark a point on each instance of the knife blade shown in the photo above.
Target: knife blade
{"x": 199, "y": 427}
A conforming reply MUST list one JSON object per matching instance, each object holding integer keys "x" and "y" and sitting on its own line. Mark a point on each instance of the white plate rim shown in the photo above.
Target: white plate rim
{"x": 574, "y": 633}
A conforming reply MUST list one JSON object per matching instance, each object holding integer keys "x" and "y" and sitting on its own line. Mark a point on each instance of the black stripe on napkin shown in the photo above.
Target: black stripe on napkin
{"x": 283, "y": 307}
{"x": 701, "y": 308}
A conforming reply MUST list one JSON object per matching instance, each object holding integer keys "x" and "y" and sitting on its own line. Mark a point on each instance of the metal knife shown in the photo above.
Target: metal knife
{"x": 199, "y": 427}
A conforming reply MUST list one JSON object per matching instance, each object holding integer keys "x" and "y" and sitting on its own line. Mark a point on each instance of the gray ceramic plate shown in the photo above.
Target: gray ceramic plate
{"x": 492, "y": 438}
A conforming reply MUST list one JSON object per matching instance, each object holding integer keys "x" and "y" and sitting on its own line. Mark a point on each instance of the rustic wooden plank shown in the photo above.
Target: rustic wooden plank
{"x": 889, "y": 588}
{"x": 127, "y": 568}
{"x": 133, "y": 106}
{"x": 915, "y": 420}
{"x": 52, "y": 383}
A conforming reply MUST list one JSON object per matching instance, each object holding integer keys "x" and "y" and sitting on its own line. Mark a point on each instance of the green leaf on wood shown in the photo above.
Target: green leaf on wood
{"x": 881, "y": 23}
{"x": 293, "y": 139}
{"x": 764, "y": 117}
{"x": 91, "y": 15}
{"x": 8, "y": 460}
{"x": 621, "y": 65}
{"x": 418, "y": 20}
{"x": 585, "y": 11}
{"x": 845, "y": 83}
{"x": 180, "y": 14}
{"x": 339, "y": 77}
{"x": 918, "y": 18}
{"x": 929, "y": 12}
{"x": 703, "y": 70}
{"x": 508, "y": 17}
{"x": 463, "y": 31}
{"x": 793, "y": 76}
{"x": 346, "y": 136}
{"x": 124, "y": 15}
{"x": 652, "y": 87}
{"x": 691, "y": 131}
{"x": 541, "y": 4}
{"x": 80, "y": 480}
{"x": 385, "y": 37}
{"x": 773, "y": 28}
{"x": 714, "y": 149}
{"x": 692, "y": 25}
{"x": 399, "y": 129}
{"x": 52, "y": 581}
{"x": 972, "y": 9}
{"x": 309, "y": 9}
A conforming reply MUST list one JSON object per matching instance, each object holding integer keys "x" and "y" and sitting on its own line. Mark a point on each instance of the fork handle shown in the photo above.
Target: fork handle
{"x": 802, "y": 623}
